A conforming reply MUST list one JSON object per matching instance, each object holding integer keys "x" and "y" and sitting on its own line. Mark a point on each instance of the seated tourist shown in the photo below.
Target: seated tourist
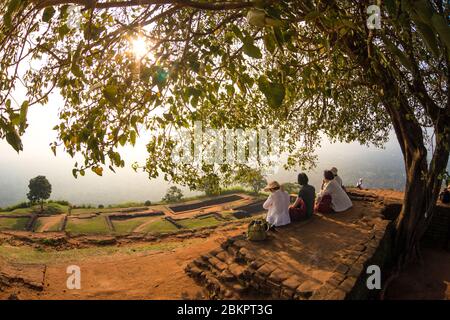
{"x": 336, "y": 177}
{"x": 277, "y": 205}
{"x": 303, "y": 206}
{"x": 445, "y": 195}
{"x": 332, "y": 197}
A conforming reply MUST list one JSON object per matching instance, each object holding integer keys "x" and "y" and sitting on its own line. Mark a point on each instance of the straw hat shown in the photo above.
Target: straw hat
{"x": 272, "y": 185}
{"x": 334, "y": 170}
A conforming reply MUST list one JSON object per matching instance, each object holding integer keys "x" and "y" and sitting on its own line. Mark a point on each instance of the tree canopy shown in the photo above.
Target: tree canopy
{"x": 308, "y": 68}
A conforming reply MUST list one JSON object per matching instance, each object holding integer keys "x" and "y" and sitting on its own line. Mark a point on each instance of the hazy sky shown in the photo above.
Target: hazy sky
{"x": 126, "y": 185}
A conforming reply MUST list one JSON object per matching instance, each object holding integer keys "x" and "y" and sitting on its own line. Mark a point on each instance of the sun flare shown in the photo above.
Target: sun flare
{"x": 139, "y": 47}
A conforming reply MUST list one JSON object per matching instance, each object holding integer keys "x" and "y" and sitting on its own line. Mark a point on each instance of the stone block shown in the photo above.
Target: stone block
{"x": 266, "y": 269}
{"x": 218, "y": 264}
{"x": 256, "y": 264}
{"x": 278, "y": 276}
{"x": 226, "y": 276}
{"x": 307, "y": 288}
{"x": 356, "y": 270}
{"x": 223, "y": 256}
{"x": 348, "y": 284}
{"x": 342, "y": 268}
{"x": 292, "y": 283}
{"x": 236, "y": 269}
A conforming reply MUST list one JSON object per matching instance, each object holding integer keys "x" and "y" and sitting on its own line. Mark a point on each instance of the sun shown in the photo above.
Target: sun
{"x": 139, "y": 47}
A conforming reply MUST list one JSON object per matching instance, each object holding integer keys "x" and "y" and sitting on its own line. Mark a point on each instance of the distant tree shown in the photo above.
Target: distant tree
{"x": 290, "y": 187}
{"x": 252, "y": 178}
{"x": 100, "y": 206}
{"x": 173, "y": 194}
{"x": 40, "y": 190}
{"x": 147, "y": 203}
{"x": 210, "y": 184}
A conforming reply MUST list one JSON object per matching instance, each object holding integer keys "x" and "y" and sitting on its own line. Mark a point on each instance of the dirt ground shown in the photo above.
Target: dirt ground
{"x": 431, "y": 280}
{"x": 150, "y": 274}
{"x": 135, "y": 271}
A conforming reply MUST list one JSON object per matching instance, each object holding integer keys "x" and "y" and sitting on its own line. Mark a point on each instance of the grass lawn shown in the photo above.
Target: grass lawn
{"x": 13, "y": 223}
{"x": 47, "y": 224}
{"x": 96, "y": 225}
{"x": 128, "y": 225}
{"x": 159, "y": 226}
{"x": 195, "y": 223}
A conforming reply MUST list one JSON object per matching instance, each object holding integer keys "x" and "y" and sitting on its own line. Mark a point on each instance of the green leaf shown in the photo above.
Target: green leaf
{"x": 14, "y": 140}
{"x": 133, "y": 137}
{"x": 274, "y": 92}
{"x": 48, "y": 13}
{"x": 23, "y": 114}
{"x": 76, "y": 70}
{"x": 279, "y": 36}
{"x": 110, "y": 93}
{"x": 269, "y": 42}
{"x": 98, "y": 171}
{"x": 250, "y": 49}
{"x": 63, "y": 30}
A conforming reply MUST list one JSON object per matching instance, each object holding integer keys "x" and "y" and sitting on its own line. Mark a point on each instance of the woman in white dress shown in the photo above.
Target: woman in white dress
{"x": 339, "y": 198}
{"x": 277, "y": 205}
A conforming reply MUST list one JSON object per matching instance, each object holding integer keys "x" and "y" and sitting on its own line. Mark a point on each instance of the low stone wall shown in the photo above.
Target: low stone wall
{"x": 125, "y": 216}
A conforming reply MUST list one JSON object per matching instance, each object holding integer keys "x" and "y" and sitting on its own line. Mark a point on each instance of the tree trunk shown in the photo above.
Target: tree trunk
{"x": 423, "y": 182}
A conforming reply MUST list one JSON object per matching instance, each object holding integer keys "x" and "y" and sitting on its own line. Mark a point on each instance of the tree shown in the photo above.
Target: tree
{"x": 173, "y": 194}
{"x": 40, "y": 190}
{"x": 291, "y": 188}
{"x": 251, "y": 178}
{"x": 210, "y": 184}
{"x": 307, "y": 68}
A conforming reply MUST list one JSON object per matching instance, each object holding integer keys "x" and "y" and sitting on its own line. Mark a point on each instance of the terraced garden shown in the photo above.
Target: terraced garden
{"x": 156, "y": 219}
{"x": 13, "y": 223}
{"x": 96, "y": 225}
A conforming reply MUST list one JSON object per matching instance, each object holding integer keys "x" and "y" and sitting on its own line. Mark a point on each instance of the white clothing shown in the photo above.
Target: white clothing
{"x": 338, "y": 179}
{"x": 278, "y": 208}
{"x": 339, "y": 198}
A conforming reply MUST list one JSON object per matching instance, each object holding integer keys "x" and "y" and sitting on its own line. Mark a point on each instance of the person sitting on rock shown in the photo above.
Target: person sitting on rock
{"x": 303, "y": 206}
{"x": 277, "y": 205}
{"x": 337, "y": 177}
{"x": 332, "y": 197}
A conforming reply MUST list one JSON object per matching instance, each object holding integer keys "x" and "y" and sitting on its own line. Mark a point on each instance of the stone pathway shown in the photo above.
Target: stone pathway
{"x": 317, "y": 259}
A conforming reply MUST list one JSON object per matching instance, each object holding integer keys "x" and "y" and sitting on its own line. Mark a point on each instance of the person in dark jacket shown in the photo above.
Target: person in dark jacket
{"x": 303, "y": 206}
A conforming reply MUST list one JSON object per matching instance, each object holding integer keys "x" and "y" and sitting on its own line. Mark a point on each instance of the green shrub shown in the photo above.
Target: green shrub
{"x": 100, "y": 206}
{"x": 147, "y": 203}
{"x": 61, "y": 202}
{"x": 22, "y": 205}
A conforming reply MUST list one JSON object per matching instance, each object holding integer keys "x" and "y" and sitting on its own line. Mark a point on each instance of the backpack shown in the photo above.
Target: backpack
{"x": 257, "y": 230}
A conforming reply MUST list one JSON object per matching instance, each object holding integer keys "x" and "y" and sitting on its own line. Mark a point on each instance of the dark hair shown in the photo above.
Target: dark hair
{"x": 302, "y": 179}
{"x": 328, "y": 175}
